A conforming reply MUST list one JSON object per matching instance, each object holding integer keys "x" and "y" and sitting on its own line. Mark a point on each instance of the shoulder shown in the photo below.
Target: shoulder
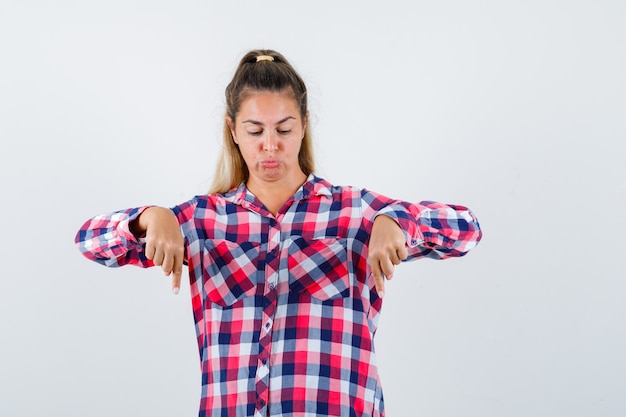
{"x": 205, "y": 204}
{"x": 321, "y": 186}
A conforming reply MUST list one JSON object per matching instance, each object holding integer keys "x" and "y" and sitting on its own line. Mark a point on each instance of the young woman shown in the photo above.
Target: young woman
{"x": 286, "y": 270}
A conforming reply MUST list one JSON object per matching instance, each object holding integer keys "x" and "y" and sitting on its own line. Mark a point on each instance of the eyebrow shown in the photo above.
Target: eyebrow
{"x": 255, "y": 122}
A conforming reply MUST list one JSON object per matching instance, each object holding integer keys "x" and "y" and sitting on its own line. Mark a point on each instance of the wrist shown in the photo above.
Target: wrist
{"x": 139, "y": 226}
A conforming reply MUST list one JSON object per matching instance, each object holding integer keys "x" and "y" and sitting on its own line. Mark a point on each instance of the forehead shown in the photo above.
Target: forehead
{"x": 268, "y": 104}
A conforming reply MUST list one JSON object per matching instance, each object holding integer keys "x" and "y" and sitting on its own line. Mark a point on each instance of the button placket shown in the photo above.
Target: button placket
{"x": 268, "y": 325}
{"x": 265, "y": 338}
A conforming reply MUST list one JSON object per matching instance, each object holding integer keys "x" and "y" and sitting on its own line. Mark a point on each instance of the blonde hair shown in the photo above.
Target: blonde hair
{"x": 270, "y": 72}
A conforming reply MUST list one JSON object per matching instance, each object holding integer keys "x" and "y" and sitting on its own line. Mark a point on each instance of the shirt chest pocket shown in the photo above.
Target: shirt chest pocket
{"x": 232, "y": 270}
{"x": 319, "y": 268}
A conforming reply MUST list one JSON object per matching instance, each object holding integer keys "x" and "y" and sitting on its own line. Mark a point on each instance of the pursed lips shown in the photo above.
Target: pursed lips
{"x": 270, "y": 163}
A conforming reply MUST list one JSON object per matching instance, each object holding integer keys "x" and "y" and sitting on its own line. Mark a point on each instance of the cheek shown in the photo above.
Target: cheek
{"x": 248, "y": 152}
{"x": 295, "y": 147}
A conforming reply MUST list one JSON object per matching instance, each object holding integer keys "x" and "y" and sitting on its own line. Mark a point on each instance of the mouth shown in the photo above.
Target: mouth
{"x": 271, "y": 163}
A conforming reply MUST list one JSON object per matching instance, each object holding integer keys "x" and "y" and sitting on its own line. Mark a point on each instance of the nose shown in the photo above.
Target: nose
{"x": 269, "y": 142}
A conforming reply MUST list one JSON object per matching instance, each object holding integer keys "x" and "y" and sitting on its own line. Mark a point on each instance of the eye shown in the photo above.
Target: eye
{"x": 255, "y": 133}
{"x": 284, "y": 132}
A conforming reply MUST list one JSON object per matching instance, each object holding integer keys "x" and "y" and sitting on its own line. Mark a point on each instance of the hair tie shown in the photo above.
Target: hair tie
{"x": 264, "y": 58}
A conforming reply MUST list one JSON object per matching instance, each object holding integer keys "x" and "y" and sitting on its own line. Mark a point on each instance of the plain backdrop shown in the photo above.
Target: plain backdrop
{"x": 516, "y": 109}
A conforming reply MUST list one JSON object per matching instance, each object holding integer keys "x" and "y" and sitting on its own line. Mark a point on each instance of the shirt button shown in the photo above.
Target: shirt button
{"x": 272, "y": 286}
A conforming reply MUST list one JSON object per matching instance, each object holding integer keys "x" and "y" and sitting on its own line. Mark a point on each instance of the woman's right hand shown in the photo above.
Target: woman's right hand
{"x": 164, "y": 241}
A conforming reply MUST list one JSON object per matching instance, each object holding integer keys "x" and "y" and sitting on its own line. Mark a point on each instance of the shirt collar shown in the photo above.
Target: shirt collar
{"x": 313, "y": 186}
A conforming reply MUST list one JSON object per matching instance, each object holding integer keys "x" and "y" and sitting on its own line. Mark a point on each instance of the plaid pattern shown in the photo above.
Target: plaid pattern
{"x": 285, "y": 307}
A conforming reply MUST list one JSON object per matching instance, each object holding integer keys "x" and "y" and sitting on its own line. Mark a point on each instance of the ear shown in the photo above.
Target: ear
{"x": 231, "y": 126}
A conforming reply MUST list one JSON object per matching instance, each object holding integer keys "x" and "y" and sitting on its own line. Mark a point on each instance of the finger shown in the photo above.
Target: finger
{"x": 387, "y": 267}
{"x": 149, "y": 251}
{"x": 176, "y": 278}
{"x": 158, "y": 257}
{"x": 168, "y": 264}
{"x": 177, "y": 271}
{"x": 379, "y": 282}
{"x": 394, "y": 258}
{"x": 403, "y": 253}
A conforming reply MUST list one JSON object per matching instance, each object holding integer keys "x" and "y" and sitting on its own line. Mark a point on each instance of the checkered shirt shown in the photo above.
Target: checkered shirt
{"x": 285, "y": 306}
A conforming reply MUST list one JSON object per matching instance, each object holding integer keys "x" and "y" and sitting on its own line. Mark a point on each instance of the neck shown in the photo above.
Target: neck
{"x": 274, "y": 195}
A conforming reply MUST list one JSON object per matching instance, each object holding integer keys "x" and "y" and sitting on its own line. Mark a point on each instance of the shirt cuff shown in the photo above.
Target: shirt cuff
{"x": 407, "y": 223}
{"x": 123, "y": 227}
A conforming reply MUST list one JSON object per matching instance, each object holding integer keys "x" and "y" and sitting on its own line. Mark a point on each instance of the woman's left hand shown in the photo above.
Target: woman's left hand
{"x": 387, "y": 248}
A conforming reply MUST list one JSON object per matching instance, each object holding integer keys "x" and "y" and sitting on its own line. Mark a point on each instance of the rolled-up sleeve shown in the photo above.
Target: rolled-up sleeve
{"x": 107, "y": 239}
{"x": 435, "y": 230}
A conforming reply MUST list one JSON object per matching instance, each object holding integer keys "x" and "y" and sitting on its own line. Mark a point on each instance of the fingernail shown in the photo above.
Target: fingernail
{"x": 175, "y": 290}
{"x": 381, "y": 294}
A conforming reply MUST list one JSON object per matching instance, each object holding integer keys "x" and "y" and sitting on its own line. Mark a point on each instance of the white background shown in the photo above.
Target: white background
{"x": 513, "y": 108}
